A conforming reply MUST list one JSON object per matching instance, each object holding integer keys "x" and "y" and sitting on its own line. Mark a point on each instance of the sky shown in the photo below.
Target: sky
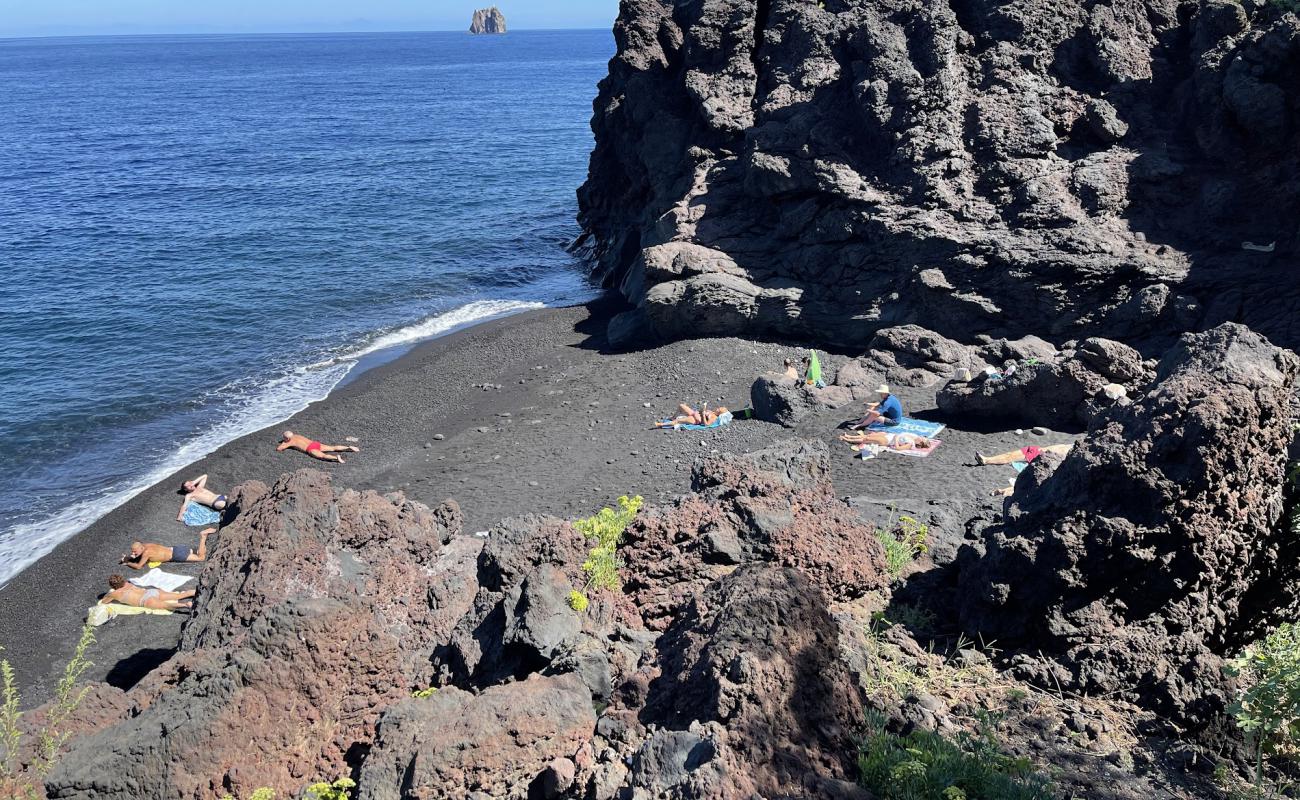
{"x": 95, "y": 17}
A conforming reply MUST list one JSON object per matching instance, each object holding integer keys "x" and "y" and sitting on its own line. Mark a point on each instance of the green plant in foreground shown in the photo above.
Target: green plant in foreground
{"x": 52, "y": 737}
{"x": 601, "y": 567}
{"x": 423, "y": 693}
{"x": 926, "y": 766}
{"x": 340, "y": 789}
{"x": 1267, "y": 708}
{"x": 904, "y": 541}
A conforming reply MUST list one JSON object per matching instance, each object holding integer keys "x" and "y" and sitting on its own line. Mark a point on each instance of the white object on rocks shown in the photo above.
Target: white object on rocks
{"x": 1020, "y": 432}
{"x": 962, "y": 375}
{"x": 1114, "y": 392}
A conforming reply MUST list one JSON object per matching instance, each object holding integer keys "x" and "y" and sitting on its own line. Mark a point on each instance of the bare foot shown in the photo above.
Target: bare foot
{"x": 339, "y": 460}
{"x": 355, "y": 449}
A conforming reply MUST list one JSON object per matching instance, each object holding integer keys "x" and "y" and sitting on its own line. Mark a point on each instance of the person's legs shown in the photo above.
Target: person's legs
{"x": 340, "y": 448}
{"x": 1000, "y": 458}
{"x": 871, "y": 417}
{"x": 318, "y": 452}
{"x": 202, "y": 553}
{"x": 1058, "y": 449}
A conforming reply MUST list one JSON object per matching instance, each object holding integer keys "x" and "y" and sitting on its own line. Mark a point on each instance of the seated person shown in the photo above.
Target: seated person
{"x": 128, "y": 594}
{"x": 791, "y": 371}
{"x": 689, "y": 416}
{"x": 142, "y": 553}
{"x": 1027, "y": 453}
{"x": 197, "y": 491}
{"x": 894, "y": 441}
{"x": 313, "y": 448}
{"x": 887, "y": 411}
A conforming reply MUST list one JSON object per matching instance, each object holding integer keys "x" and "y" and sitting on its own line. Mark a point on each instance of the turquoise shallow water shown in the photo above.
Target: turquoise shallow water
{"x": 199, "y": 235}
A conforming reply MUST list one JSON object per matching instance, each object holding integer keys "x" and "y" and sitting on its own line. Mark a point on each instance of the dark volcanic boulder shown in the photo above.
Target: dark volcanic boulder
{"x": 1155, "y": 546}
{"x": 317, "y": 609}
{"x": 785, "y": 401}
{"x": 823, "y": 170}
{"x": 776, "y": 505}
{"x": 758, "y": 653}
{"x": 1061, "y": 393}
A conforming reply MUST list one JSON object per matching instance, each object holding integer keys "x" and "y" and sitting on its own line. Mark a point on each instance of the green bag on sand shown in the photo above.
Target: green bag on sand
{"x": 814, "y": 369}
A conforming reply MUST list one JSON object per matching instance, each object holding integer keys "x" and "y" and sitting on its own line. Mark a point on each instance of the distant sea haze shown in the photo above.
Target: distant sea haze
{"x": 200, "y": 235}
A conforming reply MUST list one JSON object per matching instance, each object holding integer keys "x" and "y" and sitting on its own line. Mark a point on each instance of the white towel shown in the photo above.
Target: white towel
{"x": 157, "y": 579}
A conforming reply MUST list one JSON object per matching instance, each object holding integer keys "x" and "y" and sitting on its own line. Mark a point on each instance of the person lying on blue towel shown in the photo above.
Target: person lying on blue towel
{"x": 887, "y": 411}
{"x": 689, "y": 416}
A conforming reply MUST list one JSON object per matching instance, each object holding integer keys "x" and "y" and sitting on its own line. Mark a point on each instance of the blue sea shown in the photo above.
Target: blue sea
{"x": 200, "y": 235}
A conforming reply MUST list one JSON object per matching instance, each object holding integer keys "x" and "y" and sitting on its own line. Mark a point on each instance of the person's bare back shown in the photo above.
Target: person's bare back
{"x": 313, "y": 448}
{"x": 128, "y": 594}
{"x": 143, "y": 553}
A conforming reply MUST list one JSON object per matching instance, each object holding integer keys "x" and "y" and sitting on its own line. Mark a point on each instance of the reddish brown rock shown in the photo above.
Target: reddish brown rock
{"x": 776, "y": 505}
{"x": 496, "y": 744}
{"x": 317, "y": 610}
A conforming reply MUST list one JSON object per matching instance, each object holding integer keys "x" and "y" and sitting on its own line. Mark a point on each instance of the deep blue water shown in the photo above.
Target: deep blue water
{"x": 201, "y": 234}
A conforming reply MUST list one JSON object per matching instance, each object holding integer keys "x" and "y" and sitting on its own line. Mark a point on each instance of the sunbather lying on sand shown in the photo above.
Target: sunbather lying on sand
{"x": 791, "y": 371}
{"x": 894, "y": 441}
{"x": 689, "y": 416}
{"x": 1027, "y": 453}
{"x": 144, "y": 553}
{"x": 888, "y": 410}
{"x": 313, "y": 448}
{"x": 197, "y": 491}
{"x": 128, "y": 594}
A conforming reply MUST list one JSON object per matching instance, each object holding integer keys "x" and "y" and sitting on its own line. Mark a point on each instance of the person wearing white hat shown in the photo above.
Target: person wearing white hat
{"x": 887, "y": 411}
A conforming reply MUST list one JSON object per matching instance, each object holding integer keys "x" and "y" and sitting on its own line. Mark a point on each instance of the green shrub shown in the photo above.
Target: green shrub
{"x": 605, "y": 529}
{"x": 49, "y": 741}
{"x": 420, "y": 694}
{"x": 904, "y": 542}
{"x": 926, "y": 766}
{"x": 1267, "y": 708}
{"x": 340, "y": 789}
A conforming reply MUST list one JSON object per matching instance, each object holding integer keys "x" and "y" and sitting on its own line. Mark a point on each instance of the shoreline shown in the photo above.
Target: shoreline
{"x": 563, "y": 429}
{"x": 359, "y": 359}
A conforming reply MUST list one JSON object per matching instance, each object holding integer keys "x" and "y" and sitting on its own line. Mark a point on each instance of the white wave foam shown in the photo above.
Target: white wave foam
{"x": 252, "y": 408}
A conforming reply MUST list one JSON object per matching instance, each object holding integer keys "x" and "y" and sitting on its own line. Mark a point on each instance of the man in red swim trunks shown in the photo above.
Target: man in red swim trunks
{"x": 1026, "y": 454}
{"x": 313, "y": 448}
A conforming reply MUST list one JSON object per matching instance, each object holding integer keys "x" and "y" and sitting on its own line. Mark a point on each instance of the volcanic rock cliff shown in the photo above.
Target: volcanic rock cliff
{"x": 488, "y": 20}
{"x": 820, "y": 170}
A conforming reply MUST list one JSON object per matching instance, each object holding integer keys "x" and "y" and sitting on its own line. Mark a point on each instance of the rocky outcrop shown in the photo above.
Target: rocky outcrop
{"x": 1064, "y": 391}
{"x": 488, "y": 20}
{"x": 319, "y": 609}
{"x": 1155, "y": 547}
{"x": 820, "y": 171}
{"x": 756, "y": 654}
{"x": 777, "y": 506}
{"x": 498, "y": 743}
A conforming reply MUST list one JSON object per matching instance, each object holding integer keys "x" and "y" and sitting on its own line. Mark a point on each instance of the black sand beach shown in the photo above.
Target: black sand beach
{"x": 562, "y": 428}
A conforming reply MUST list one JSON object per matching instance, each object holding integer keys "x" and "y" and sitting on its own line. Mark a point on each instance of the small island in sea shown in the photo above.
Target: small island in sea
{"x": 488, "y": 20}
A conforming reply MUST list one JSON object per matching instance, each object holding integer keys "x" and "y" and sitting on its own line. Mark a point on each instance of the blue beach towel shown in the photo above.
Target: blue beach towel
{"x": 919, "y": 427}
{"x": 1020, "y": 466}
{"x": 724, "y": 419}
{"x": 197, "y": 516}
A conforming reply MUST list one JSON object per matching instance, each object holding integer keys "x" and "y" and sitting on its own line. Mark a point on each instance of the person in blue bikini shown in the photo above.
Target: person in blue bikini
{"x": 143, "y": 553}
{"x": 887, "y": 411}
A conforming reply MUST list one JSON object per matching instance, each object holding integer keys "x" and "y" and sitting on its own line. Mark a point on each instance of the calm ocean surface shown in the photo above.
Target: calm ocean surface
{"x": 200, "y": 235}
